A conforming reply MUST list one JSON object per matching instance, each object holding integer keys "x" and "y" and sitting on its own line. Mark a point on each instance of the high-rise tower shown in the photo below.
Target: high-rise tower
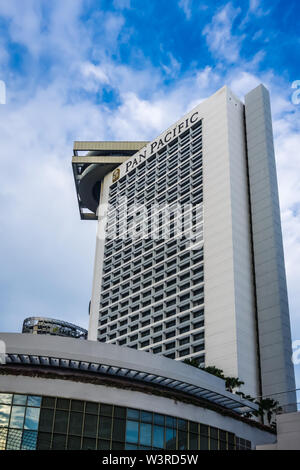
{"x": 189, "y": 260}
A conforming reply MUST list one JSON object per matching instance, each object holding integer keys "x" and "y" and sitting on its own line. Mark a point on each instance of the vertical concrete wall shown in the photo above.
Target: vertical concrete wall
{"x": 230, "y": 327}
{"x": 98, "y": 263}
{"x": 277, "y": 372}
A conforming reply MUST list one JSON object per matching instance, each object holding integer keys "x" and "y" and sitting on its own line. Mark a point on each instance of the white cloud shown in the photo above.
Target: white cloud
{"x": 121, "y": 4}
{"x": 186, "y": 6}
{"x": 220, "y": 40}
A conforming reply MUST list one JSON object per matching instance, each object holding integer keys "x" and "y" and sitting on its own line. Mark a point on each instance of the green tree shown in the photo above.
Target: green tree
{"x": 233, "y": 382}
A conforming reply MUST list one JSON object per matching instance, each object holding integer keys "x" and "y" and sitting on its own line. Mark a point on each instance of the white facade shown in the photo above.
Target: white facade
{"x": 216, "y": 314}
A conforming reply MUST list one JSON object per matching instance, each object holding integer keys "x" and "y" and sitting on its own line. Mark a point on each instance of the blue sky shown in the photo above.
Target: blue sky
{"x": 121, "y": 69}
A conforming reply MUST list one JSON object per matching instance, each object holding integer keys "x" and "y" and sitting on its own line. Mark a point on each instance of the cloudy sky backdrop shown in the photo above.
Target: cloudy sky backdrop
{"x": 121, "y": 69}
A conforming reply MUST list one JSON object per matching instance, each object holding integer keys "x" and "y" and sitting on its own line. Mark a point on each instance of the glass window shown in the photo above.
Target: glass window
{"x": 61, "y": 421}
{"x": 32, "y": 418}
{"x": 74, "y": 443}
{"x": 44, "y": 441}
{"x": 117, "y": 446}
{"x": 5, "y": 398}
{"x": 103, "y": 445}
{"x": 61, "y": 403}
{"x": 29, "y": 440}
{"x": 133, "y": 414}
{"x": 90, "y": 425}
{"x": 105, "y": 427}
{"x": 159, "y": 419}
{"x": 17, "y": 416}
{"x": 193, "y": 445}
{"x": 19, "y": 399}
{"x": 77, "y": 405}
{"x": 75, "y": 425}
{"x": 170, "y": 438}
{"x": 120, "y": 412}
{"x": 182, "y": 440}
{"x": 204, "y": 442}
{"x": 59, "y": 442}
{"x": 3, "y": 436}
{"x": 89, "y": 444}
{"x": 34, "y": 401}
{"x": 48, "y": 402}
{"x": 146, "y": 416}
{"x": 132, "y": 431}
{"x": 4, "y": 415}
{"x": 14, "y": 439}
{"x": 145, "y": 434}
{"x": 106, "y": 410}
{"x": 91, "y": 408}
{"x": 119, "y": 427}
{"x": 158, "y": 437}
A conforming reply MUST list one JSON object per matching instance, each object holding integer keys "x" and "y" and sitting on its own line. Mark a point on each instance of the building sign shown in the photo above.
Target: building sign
{"x": 158, "y": 144}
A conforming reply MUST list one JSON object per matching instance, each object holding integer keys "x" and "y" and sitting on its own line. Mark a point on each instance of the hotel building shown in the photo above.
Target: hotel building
{"x": 212, "y": 288}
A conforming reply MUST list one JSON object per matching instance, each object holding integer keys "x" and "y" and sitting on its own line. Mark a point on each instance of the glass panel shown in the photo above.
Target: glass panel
{"x": 61, "y": 421}
{"x": 105, "y": 427}
{"x": 3, "y": 435}
{"x": 203, "y": 442}
{"x": 89, "y": 444}
{"x": 182, "y": 424}
{"x": 120, "y": 412}
{"x": 44, "y": 441}
{"x": 91, "y": 408}
{"x": 171, "y": 438}
{"x": 5, "y": 398}
{"x": 17, "y": 416}
{"x": 193, "y": 442}
{"x": 133, "y": 414}
{"x": 62, "y": 403}
{"x": 34, "y": 401}
{"x": 77, "y": 405}
{"x": 4, "y": 415}
{"x": 182, "y": 440}
{"x": 159, "y": 419}
{"x": 103, "y": 445}
{"x": 90, "y": 425}
{"x": 171, "y": 422}
{"x": 32, "y": 418}
{"x": 118, "y": 446}
{"x": 29, "y": 440}
{"x": 193, "y": 427}
{"x": 158, "y": 436}
{"x": 59, "y": 442}
{"x": 204, "y": 429}
{"x": 131, "y": 447}
{"x": 74, "y": 443}
{"x": 48, "y": 402}
{"x": 132, "y": 431}
{"x": 14, "y": 439}
{"x": 106, "y": 410}
{"x": 119, "y": 428}
{"x": 146, "y": 417}
{"x": 46, "y": 420}
{"x": 145, "y": 434}
{"x": 20, "y": 399}
{"x": 75, "y": 425}
{"x": 213, "y": 444}
{"x": 223, "y": 445}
